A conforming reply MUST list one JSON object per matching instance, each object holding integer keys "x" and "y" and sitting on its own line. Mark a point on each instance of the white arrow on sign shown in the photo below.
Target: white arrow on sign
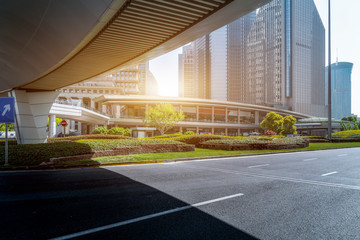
{"x": 6, "y": 109}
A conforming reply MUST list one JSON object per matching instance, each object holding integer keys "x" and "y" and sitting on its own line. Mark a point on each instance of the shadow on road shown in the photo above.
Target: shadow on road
{"x": 47, "y": 204}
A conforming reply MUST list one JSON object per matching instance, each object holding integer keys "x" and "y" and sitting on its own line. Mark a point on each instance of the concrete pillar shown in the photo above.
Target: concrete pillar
{"x": 239, "y": 132}
{"x": 257, "y": 117}
{"x": 79, "y": 127}
{"x": 226, "y": 114}
{"x": 117, "y": 111}
{"x": 103, "y": 108}
{"x": 226, "y": 131}
{"x": 67, "y": 128}
{"x": 72, "y": 125}
{"x": 212, "y": 114}
{"x": 197, "y": 130}
{"x": 197, "y": 113}
{"x": 239, "y": 116}
{"x": 92, "y": 104}
{"x": 212, "y": 131}
{"x": 52, "y": 126}
{"x": 31, "y": 114}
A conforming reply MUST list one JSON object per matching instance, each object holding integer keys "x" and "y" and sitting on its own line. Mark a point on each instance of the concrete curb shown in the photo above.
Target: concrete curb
{"x": 51, "y": 167}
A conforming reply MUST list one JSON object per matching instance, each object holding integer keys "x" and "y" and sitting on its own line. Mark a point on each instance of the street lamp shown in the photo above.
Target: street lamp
{"x": 329, "y": 75}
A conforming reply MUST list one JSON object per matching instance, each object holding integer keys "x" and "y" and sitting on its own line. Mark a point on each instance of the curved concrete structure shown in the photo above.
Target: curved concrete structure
{"x": 49, "y": 44}
{"x": 46, "y": 45}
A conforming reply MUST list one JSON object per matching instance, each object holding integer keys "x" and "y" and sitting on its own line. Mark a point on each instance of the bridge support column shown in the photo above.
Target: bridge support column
{"x": 31, "y": 113}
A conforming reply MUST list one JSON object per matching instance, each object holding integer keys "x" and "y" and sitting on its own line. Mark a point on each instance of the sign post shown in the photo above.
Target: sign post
{"x": 7, "y": 115}
{"x": 64, "y": 124}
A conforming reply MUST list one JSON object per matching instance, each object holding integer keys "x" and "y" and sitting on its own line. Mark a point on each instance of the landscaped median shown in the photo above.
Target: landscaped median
{"x": 102, "y": 150}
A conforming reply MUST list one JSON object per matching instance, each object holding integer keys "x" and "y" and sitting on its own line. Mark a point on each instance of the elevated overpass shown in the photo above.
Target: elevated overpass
{"x": 46, "y": 45}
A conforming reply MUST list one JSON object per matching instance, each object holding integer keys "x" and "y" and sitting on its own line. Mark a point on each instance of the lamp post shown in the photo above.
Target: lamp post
{"x": 329, "y": 75}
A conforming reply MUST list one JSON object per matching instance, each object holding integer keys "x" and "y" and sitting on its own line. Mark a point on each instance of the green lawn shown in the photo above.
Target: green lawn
{"x": 150, "y": 157}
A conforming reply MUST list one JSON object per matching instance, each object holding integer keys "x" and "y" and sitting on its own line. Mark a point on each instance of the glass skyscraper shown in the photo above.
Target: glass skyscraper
{"x": 286, "y": 57}
{"x": 341, "y": 89}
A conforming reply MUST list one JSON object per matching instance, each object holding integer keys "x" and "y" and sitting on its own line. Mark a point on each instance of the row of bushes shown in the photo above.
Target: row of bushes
{"x": 88, "y": 136}
{"x": 113, "y": 131}
{"x": 34, "y": 154}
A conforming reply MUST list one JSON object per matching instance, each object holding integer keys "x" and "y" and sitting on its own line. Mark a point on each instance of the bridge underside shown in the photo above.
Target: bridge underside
{"x": 46, "y": 45}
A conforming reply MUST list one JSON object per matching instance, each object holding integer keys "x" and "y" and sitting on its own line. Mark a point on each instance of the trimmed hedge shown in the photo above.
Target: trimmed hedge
{"x": 253, "y": 144}
{"x": 34, "y": 154}
{"x": 89, "y": 136}
{"x": 347, "y": 134}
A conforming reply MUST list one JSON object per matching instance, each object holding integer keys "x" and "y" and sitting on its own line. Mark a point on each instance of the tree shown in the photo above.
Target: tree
{"x": 163, "y": 116}
{"x": 273, "y": 122}
{"x": 10, "y": 127}
{"x": 288, "y": 126}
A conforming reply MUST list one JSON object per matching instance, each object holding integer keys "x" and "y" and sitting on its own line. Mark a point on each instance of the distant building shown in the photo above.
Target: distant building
{"x": 286, "y": 57}
{"x": 275, "y": 57}
{"x": 341, "y": 89}
{"x": 213, "y": 66}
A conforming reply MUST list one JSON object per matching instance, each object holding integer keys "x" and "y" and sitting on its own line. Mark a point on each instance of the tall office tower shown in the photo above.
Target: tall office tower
{"x": 286, "y": 57}
{"x": 213, "y": 66}
{"x": 341, "y": 89}
{"x": 237, "y": 33}
{"x": 187, "y": 82}
{"x": 135, "y": 80}
{"x": 218, "y": 64}
{"x": 147, "y": 82}
{"x": 202, "y": 67}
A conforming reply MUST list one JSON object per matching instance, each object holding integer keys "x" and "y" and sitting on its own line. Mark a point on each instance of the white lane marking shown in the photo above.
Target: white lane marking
{"x": 342, "y": 155}
{"x": 262, "y": 165}
{"x": 118, "y": 224}
{"x": 310, "y": 159}
{"x": 287, "y": 179}
{"x": 327, "y": 174}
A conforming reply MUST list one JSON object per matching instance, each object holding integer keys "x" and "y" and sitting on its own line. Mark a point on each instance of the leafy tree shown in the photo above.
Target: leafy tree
{"x": 163, "y": 116}
{"x": 273, "y": 122}
{"x": 350, "y": 118}
{"x": 288, "y": 126}
{"x": 10, "y": 127}
{"x": 58, "y": 121}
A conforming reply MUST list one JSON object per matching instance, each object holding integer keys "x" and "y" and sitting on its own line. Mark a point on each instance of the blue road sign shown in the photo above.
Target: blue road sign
{"x": 7, "y": 109}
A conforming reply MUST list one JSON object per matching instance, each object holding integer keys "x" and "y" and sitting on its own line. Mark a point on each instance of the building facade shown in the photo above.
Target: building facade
{"x": 273, "y": 57}
{"x": 286, "y": 57}
{"x": 341, "y": 89}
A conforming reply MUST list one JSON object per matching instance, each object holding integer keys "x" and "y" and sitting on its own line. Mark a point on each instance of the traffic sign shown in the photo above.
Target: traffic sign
{"x": 64, "y": 123}
{"x": 7, "y": 109}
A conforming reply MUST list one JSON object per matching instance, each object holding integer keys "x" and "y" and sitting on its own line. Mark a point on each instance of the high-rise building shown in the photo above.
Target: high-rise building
{"x": 218, "y": 64}
{"x": 286, "y": 57}
{"x": 237, "y": 34}
{"x": 213, "y": 66}
{"x": 136, "y": 80}
{"x": 341, "y": 89}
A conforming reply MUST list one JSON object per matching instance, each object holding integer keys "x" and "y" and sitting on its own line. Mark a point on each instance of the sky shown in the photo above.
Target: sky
{"x": 345, "y": 44}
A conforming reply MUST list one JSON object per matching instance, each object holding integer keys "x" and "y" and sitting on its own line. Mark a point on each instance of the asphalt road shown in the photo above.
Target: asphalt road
{"x": 305, "y": 195}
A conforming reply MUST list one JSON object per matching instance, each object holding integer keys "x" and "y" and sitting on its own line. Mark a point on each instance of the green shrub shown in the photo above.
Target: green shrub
{"x": 34, "y": 154}
{"x": 347, "y": 134}
{"x": 189, "y": 133}
{"x": 100, "y": 130}
{"x": 89, "y": 136}
{"x": 119, "y": 131}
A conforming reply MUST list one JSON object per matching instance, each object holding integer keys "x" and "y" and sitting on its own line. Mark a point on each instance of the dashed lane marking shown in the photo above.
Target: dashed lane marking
{"x": 256, "y": 166}
{"x": 327, "y": 174}
{"x": 310, "y": 159}
{"x": 119, "y": 224}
